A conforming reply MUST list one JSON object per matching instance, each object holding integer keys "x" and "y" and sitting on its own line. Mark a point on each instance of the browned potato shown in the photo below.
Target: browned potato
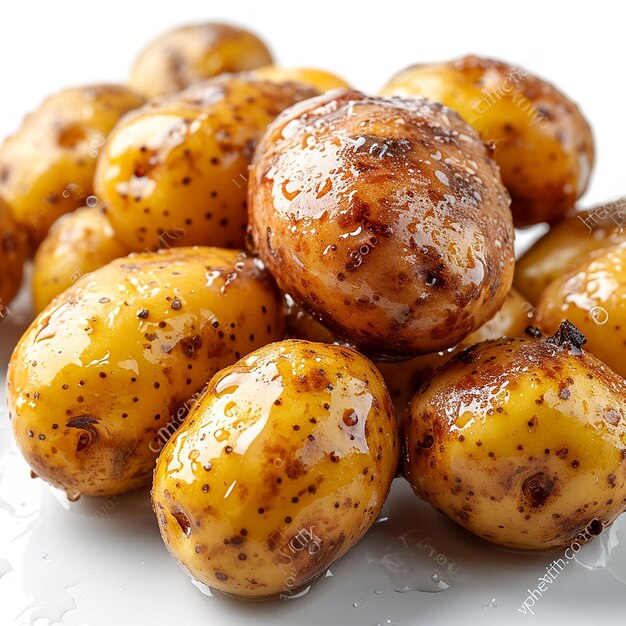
{"x": 77, "y": 244}
{"x": 386, "y": 218}
{"x": 522, "y": 441}
{"x": 174, "y": 173}
{"x": 47, "y": 166}
{"x": 565, "y": 244}
{"x": 592, "y": 295}
{"x": 187, "y": 54}
{"x": 12, "y": 255}
{"x": 542, "y": 142}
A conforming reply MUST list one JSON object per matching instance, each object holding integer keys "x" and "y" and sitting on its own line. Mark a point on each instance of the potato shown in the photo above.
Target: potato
{"x": 564, "y": 245}
{"x": 542, "y": 142}
{"x": 12, "y": 255}
{"x": 47, "y": 166}
{"x": 319, "y": 79}
{"x": 105, "y": 374}
{"x": 281, "y": 467}
{"x": 187, "y": 54}
{"x": 77, "y": 244}
{"x": 174, "y": 173}
{"x": 522, "y": 441}
{"x": 385, "y": 218}
{"x": 592, "y": 295}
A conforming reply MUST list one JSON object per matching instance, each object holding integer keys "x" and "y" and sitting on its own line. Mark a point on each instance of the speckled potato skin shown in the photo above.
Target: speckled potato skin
{"x": 97, "y": 383}
{"x": 564, "y": 245}
{"x": 385, "y": 218}
{"x": 592, "y": 295}
{"x": 189, "y": 54}
{"x": 543, "y": 143}
{"x": 47, "y": 166}
{"x": 316, "y": 78}
{"x": 522, "y": 442}
{"x": 77, "y": 244}
{"x": 281, "y": 467}
{"x": 12, "y": 256}
{"x": 174, "y": 173}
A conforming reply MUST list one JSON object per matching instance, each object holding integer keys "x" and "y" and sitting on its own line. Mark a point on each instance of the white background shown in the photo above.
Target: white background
{"x": 75, "y": 564}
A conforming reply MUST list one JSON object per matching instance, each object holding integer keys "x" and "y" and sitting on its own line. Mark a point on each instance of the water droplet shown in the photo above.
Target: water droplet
{"x": 91, "y": 202}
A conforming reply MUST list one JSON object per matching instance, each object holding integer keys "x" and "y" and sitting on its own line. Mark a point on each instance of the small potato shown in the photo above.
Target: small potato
{"x": 316, "y": 78}
{"x": 386, "y": 218}
{"x": 187, "y": 54}
{"x": 564, "y": 245}
{"x": 77, "y": 244}
{"x": 542, "y": 142}
{"x": 47, "y": 166}
{"x": 105, "y": 374}
{"x": 522, "y": 441}
{"x": 280, "y": 468}
{"x": 592, "y": 295}
{"x": 12, "y": 256}
{"x": 174, "y": 173}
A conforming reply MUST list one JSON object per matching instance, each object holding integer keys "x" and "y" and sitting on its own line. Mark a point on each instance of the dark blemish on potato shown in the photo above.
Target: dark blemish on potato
{"x": 568, "y": 337}
{"x": 611, "y": 416}
{"x": 183, "y": 521}
{"x": 537, "y": 488}
{"x": 533, "y": 331}
{"x": 610, "y": 479}
{"x": 221, "y": 576}
{"x": 562, "y": 453}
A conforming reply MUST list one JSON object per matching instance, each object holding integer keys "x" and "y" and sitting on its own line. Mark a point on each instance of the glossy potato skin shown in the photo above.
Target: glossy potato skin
{"x": 385, "y": 218}
{"x": 280, "y": 468}
{"x": 77, "y": 244}
{"x": 47, "y": 166}
{"x": 316, "y": 78}
{"x": 188, "y": 54}
{"x": 97, "y": 382}
{"x": 12, "y": 256}
{"x": 592, "y": 295}
{"x": 543, "y": 143}
{"x": 563, "y": 246}
{"x": 521, "y": 441}
{"x": 174, "y": 173}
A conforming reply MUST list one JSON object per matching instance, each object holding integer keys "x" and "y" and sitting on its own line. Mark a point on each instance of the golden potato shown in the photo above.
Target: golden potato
{"x": 521, "y": 441}
{"x": 174, "y": 173}
{"x": 12, "y": 255}
{"x": 542, "y": 142}
{"x": 280, "y": 468}
{"x": 47, "y": 166}
{"x": 187, "y": 54}
{"x": 319, "y": 79}
{"x": 77, "y": 244}
{"x": 105, "y": 374}
{"x": 385, "y": 218}
{"x": 592, "y": 295}
{"x": 565, "y": 244}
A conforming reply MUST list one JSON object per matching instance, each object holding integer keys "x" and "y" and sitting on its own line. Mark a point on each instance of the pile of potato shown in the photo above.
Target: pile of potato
{"x": 234, "y": 243}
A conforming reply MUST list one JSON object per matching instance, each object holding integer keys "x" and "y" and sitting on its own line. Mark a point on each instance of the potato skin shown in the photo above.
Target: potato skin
{"x": 543, "y": 143}
{"x": 385, "y": 218}
{"x": 521, "y": 441}
{"x": 192, "y": 53}
{"x": 316, "y": 78}
{"x": 47, "y": 166}
{"x": 563, "y": 246}
{"x": 280, "y": 468}
{"x": 174, "y": 173}
{"x": 592, "y": 295}
{"x": 96, "y": 383}
{"x": 77, "y": 244}
{"x": 12, "y": 256}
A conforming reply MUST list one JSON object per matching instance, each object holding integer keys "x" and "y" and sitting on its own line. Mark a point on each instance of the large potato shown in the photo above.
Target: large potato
{"x": 174, "y": 173}
{"x": 77, "y": 244}
{"x": 187, "y": 54}
{"x": 12, "y": 255}
{"x": 47, "y": 166}
{"x": 104, "y": 375}
{"x": 280, "y": 468}
{"x": 316, "y": 78}
{"x": 385, "y": 218}
{"x": 565, "y": 244}
{"x": 592, "y": 295}
{"x": 522, "y": 441}
{"x": 542, "y": 142}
